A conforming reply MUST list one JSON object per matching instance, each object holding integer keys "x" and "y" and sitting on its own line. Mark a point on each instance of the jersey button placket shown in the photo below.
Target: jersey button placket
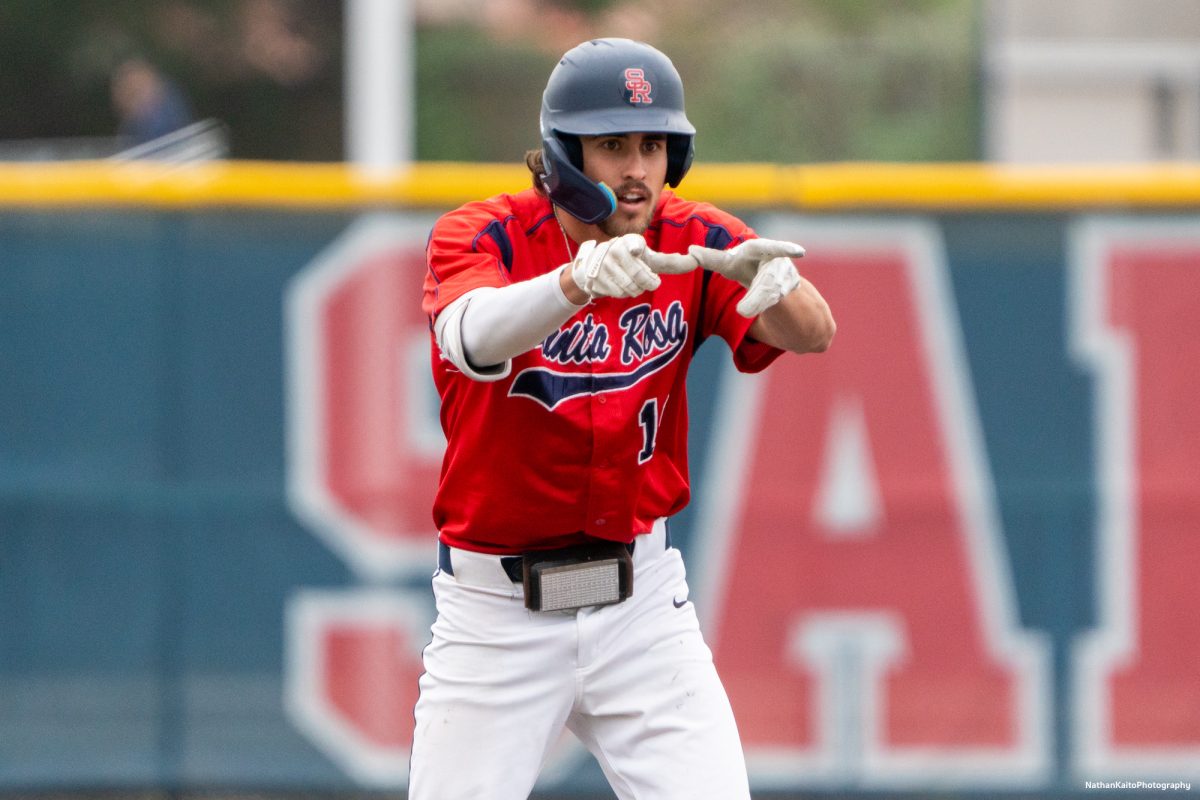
{"x": 596, "y": 481}
{"x": 600, "y": 496}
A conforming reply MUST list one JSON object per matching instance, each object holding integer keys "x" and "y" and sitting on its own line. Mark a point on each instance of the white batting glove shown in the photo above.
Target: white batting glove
{"x": 763, "y": 266}
{"x": 614, "y": 268}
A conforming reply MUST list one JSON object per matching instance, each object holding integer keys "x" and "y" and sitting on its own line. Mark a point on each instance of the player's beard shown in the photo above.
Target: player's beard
{"x": 620, "y": 224}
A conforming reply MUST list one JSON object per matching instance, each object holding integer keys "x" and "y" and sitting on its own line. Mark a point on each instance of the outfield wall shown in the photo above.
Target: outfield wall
{"x": 957, "y": 552}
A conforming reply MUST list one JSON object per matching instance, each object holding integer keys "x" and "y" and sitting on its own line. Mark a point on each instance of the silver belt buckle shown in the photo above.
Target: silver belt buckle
{"x": 577, "y": 577}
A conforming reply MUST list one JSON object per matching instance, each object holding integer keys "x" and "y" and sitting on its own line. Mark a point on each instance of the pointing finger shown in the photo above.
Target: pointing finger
{"x": 765, "y": 249}
{"x": 669, "y": 263}
{"x": 708, "y": 257}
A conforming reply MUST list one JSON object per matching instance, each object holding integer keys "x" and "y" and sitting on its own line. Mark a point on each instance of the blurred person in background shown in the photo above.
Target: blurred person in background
{"x": 148, "y": 104}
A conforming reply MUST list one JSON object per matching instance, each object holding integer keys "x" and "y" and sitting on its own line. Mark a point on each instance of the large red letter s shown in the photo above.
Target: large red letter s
{"x": 865, "y": 620}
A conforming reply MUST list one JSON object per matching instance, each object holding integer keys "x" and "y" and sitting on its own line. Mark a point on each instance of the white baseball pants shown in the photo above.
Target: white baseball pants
{"x": 633, "y": 681}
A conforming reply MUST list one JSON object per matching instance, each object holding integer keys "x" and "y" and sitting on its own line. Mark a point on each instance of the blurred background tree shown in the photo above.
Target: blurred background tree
{"x": 767, "y": 80}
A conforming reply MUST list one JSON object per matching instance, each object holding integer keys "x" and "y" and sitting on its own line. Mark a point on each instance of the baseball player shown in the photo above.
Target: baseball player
{"x": 564, "y": 318}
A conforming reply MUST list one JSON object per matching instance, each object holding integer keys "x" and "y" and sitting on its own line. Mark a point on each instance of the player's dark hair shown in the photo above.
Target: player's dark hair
{"x": 535, "y": 161}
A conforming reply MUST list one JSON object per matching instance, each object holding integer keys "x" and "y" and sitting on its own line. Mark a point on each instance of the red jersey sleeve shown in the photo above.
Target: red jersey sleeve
{"x": 719, "y": 315}
{"x": 465, "y": 252}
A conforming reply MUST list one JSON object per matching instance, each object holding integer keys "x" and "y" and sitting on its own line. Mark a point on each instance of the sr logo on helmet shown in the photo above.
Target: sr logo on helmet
{"x": 639, "y": 88}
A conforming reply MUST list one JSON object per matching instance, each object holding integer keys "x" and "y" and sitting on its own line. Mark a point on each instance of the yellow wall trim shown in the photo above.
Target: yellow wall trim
{"x": 819, "y": 187}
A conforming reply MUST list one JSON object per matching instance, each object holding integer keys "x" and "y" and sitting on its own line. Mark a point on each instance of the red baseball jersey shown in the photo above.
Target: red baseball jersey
{"x": 587, "y": 435}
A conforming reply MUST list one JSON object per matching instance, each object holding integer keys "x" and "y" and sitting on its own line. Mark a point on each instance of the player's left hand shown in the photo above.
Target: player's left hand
{"x": 763, "y": 266}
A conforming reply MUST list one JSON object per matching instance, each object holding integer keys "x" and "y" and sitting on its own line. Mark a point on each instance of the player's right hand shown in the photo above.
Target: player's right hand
{"x": 615, "y": 268}
{"x": 763, "y": 266}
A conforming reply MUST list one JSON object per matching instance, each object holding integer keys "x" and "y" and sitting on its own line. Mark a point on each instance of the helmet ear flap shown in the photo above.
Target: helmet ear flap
{"x": 573, "y": 147}
{"x": 568, "y": 187}
{"x": 681, "y": 149}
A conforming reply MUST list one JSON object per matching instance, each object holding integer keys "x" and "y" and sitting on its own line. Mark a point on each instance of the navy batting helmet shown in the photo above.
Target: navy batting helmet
{"x": 608, "y": 86}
